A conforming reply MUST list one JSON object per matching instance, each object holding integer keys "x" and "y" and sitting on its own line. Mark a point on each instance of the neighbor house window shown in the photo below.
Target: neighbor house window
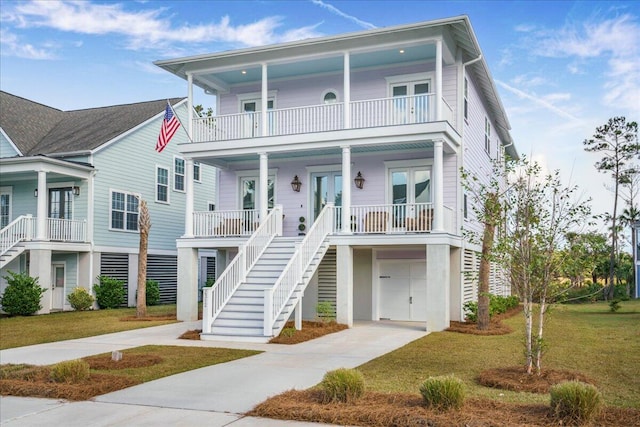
{"x": 466, "y": 99}
{"x": 330, "y": 98}
{"x": 162, "y": 184}
{"x": 5, "y": 206}
{"x": 124, "y": 211}
{"x": 487, "y": 136}
{"x": 178, "y": 174}
{"x": 196, "y": 171}
{"x": 211, "y": 207}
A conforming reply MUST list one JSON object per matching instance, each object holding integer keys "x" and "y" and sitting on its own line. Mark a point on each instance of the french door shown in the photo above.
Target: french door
{"x": 252, "y": 119}
{"x": 61, "y": 203}
{"x": 411, "y": 103}
{"x": 327, "y": 187}
{"x": 411, "y": 196}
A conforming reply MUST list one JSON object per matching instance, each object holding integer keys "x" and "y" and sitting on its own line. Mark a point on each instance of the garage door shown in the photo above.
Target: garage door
{"x": 403, "y": 290}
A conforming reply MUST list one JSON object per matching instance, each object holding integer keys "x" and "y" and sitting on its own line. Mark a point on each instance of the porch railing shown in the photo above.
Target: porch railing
{"x": 276, "y": 298}
{"x": 388, "y": 218}
{"x": 225, "y": 223}
{"x": 66, "y": 230}
{"x": 217, "y": 296}
{"x": 21, "y": 228}
{"x": 399, "y": 110}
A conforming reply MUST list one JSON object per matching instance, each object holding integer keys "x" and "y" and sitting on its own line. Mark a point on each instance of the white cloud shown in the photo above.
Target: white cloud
{"x": 147, "y": 29}
{"x": 541, "y": 101}
{"x": 529, "y": 80}
{"x": 336, "y": 11}
{"x": 11, "y": 46}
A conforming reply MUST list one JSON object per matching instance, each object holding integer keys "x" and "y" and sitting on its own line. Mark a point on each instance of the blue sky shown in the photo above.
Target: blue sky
{"x": 562, "y": 68}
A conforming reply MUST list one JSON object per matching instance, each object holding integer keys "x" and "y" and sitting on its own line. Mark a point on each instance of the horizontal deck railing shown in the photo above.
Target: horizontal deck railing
{"x": 390, "y": 218}
{"x": 66, "y": 230}
{"x": 225, "y": 223}
{"x": 369, "y": 113}
{"x": 23, "y": 228}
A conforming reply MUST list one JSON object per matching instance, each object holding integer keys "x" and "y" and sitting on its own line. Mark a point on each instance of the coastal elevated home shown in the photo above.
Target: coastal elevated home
{"x": 339, "y": 178}
{"x": 70, "y": 184}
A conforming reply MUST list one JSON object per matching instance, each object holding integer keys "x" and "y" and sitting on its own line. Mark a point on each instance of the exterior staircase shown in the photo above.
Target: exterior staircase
{"x": 11, "y": 253}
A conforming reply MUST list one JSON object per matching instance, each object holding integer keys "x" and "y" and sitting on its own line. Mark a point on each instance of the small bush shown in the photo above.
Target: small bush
{"x": 70, "y": 371}
{"x": 22, "y": 295}
{"x": 342, "y": 385}
{"x": 443, "y": 392}
{"x": 326, "y": 312}
{"x": 614, "y": 305}
{"x": 152, "y": 292}
{"x": 80, "y": 299}
{"x": 110, "y": 292}
{"x": 288, "y": 332}
{"x": 575, "y": 401}
{"x": 497, "y": 305}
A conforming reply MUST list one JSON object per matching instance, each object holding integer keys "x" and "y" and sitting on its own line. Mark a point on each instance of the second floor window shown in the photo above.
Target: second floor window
{"x": 124, "y": 211}
{"x": 196, "y": 171}
{"x": 466, "y": 99}
{"x": 487, "y": 136}
{"x": 162, "y": 185}
{"x": 178, "y": 174}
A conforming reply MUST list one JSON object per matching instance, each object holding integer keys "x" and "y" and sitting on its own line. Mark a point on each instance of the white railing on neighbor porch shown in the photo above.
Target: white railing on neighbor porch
{"x": 225, "y": 223}
{"x": 276, "y": 298}
{"x": 401, "y": 110}
{"x": 216, "y": 296}
{"x": 66, "y": 230}
{"x": 21, "y": 228}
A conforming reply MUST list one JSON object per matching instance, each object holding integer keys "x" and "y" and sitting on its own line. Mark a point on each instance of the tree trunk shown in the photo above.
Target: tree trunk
{"x": 144, "y": 223}
{"x": 491, "y": 209}
{"x": 528, "y": 327}
{"x": 539, "y": 341}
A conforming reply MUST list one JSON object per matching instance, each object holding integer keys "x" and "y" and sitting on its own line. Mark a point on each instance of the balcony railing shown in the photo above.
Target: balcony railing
{"x": 66, "y": 230}
{"x": 321, "y": 118}
{"x": 225, "y": 223}
{"x": 23, "y": 228}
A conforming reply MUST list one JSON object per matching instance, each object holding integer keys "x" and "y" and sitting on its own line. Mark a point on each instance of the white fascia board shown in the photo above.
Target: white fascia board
{"x": 14, "y": 146}
{"x": 27, "y": 164}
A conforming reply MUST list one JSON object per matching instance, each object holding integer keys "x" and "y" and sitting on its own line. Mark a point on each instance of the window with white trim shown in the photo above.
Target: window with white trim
{"x": 466, "y": 99}
{"x": 178, "y": 174}
{"x": 487, "y": 136}
{"x": 5, "y": 206}
{"x": 196, "y": 172}
{"x": 124, "y": 211}
{"x": 162, "y": 184}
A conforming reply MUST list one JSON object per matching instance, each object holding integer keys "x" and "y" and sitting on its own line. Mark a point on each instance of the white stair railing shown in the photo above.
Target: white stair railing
{"x": 276, "y": 298}
{"x": 21, "y": 228}
{"x": 217, "y": 296}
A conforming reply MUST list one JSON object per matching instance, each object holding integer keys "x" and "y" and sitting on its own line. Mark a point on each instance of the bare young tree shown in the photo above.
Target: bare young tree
{"x": 144, "y": 224}
{"x": 617, "y": 141}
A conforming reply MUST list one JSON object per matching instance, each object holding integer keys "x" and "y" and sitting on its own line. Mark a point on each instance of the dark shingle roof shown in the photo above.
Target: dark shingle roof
{"x": 38, "y": 129}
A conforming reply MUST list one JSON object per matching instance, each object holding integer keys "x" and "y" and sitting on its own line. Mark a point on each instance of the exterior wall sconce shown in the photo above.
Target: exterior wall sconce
{"x": 35, "y": 193}
{"x": 296, "y": 184}
{"x": 359, "y": 181}
{"x": 76, "y": 190}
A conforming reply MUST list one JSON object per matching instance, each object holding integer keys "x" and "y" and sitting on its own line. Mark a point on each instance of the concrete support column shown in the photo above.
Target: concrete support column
{"x": 298, "y": 315}
{"x": 41, "y": 219}
{"x": 265, "y": 102}
{"x": 344, "y": 291}
{"x": 438, "y": 285}
{"x": 132, "y": 290}
{"x": 347, "y": 91}
{"x": 457, "y": 283}
{"x": 264, "y": 186}
{"x": 40, "y": 267}
{"x": 188, "y": 178}
{"x": 438, "y": 186}
{"x": 187, "y": 294}
{"x": 438, "y": 89}
{"x": 346, "y": 190}
{"x": 190, "y": 106}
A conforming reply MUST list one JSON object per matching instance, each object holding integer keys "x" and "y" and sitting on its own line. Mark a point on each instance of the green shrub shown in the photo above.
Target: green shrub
{"x": 70, "y": 371}
{"x": 497, "y": 305}
{"x": 22, "y": 294}
{"x": 614, "y": 305}
{"x": 443, "y": 392}
{"x": 471, "y": 311}
{"x": 110, "y": 292}
{"x": 326, "y": 312}
{"x": 152, "y": 292}
{"x": 80, "y": 299}
{"x": 288, "y": 332}
{"x": 342, "y": 385}
{"x": 575, "y": 402}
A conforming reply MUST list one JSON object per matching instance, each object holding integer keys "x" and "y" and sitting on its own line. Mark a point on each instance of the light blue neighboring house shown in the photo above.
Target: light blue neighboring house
{"x": 70, "y": 185}
{"x": 340, "y": 178}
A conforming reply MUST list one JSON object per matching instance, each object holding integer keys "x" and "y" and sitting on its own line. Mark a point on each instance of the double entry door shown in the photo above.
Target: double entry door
{"x": 252, "y": 125}
{"x": 403, "y": 290}
{"x": 411, "y": 103}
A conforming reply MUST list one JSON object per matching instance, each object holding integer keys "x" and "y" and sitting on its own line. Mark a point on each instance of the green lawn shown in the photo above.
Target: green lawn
{"x": 28, "y": 330}
{"x": 587, "y": 338}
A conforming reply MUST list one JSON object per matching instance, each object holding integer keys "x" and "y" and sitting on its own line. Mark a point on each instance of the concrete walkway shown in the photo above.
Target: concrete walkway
{"x": 216, "y": 395}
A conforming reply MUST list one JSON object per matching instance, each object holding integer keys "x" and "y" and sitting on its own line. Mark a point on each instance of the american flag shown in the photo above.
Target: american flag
{"x": 170, "y": 125}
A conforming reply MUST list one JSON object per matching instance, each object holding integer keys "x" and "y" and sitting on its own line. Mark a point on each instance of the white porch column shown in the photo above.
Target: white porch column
{"x": 188, "y": 177}
{"x": 190, "y": 106}
{"x": 438, "y": 287}
{"x": 346, "y": 190}
{"x": 438, "y": 80}
{"x": 40, "y": 267}
{"x": 438, "y": 187}
{"x": 41, "y": 219}
{"x": 347, "y": 91}
{"x": 187, "y": 292}
{"x": 344, "y": 284}
{"x": 264, "y": 186}
{"x": 264, "y": 102}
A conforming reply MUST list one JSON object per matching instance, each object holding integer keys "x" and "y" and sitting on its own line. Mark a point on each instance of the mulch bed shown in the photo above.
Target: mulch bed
{"x": 128, "y": 361}
{"x": 515, "y": 378}
{"x": 403, "y": 409}
{"x": 310, "y": 330}
{"x": 193, "y": 334}
{"x": 496, "y": 327}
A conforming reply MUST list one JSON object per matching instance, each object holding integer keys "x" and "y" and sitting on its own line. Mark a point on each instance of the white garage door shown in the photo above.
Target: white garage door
{"x": 403, "y": 290}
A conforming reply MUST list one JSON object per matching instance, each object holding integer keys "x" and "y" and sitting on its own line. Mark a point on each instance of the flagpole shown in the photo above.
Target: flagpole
{"x": 186, "y": 130}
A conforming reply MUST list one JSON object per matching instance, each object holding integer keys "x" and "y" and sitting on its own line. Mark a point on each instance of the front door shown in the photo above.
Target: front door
{"x": 57, "y": 287}
{"x": 250, "y": 199}
{"x": 327, "y": 187}
{"x": 411, "y": 103}
{"x": 251, "y": 108}
{"x": 403, "y": 290}
{"x": 60, "y": 203}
